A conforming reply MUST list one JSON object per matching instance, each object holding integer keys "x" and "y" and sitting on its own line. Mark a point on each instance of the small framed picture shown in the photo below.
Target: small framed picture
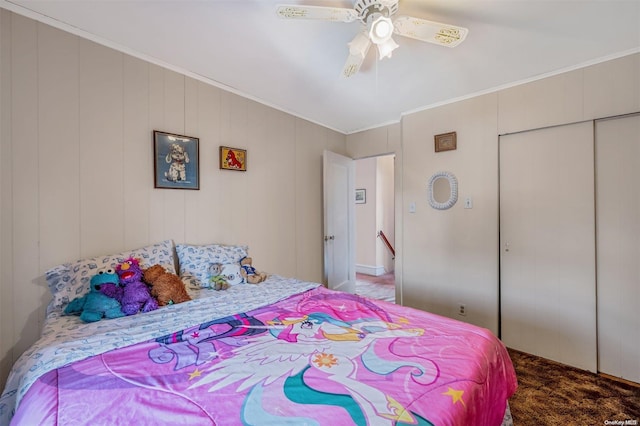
{"x": 176, "y": 161}
{"x": 445, "y": 141}
{"x": 361, "y": 196}
{"x": 233, "y": 159}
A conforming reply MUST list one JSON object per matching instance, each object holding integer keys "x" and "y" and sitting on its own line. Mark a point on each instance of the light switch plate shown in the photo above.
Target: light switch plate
{"x": 468, "y": 203}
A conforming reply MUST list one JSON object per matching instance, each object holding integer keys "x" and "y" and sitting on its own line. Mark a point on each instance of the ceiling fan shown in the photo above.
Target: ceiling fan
{"x": 377, "y": 16}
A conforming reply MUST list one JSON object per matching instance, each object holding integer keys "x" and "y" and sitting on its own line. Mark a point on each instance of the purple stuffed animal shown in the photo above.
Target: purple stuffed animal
{"x": 134, "y": 295}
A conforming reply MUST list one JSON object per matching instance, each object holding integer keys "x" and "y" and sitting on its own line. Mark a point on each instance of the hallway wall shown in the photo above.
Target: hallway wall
{"x": 375, "y": 176}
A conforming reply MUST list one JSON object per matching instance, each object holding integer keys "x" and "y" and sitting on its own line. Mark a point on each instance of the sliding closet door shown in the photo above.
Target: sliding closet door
{"x": 618, "y": 245}
{"x": 547, "y": 237}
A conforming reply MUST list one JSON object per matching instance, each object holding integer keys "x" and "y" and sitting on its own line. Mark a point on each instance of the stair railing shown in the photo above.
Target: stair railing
{"x": 387, "y": 243}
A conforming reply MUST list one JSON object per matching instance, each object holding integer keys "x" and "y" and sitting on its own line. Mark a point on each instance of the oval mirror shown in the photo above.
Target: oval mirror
{"x": 442, "y": 190}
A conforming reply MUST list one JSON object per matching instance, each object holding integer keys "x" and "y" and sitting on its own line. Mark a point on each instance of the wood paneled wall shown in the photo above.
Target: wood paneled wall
{"x": 617, "y": 151}
{"x": 76, "y": 152}
{"x": 451, "y": 257}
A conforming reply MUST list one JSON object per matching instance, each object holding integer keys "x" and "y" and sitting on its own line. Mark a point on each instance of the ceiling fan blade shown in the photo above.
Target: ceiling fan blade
{"x": 358, "y": 49}
{"x": 429, "y": 31}
{"x": 352, "y": 66}
{"x": 339, "y": 14}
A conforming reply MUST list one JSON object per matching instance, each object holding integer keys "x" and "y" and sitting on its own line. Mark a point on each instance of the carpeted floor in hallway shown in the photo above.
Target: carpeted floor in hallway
{"x": 381, "y": 287}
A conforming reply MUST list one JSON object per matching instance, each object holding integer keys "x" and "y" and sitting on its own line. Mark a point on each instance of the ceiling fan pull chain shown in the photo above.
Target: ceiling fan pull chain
{"x": 377, "y": 87}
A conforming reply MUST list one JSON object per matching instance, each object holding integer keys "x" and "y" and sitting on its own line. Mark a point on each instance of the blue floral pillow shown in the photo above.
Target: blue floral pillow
{"x": 71, "y": 280}
{"x": 194, "y": 261}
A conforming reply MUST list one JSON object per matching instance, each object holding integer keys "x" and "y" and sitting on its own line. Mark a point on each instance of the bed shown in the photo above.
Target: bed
{"x": 283, "y": 352}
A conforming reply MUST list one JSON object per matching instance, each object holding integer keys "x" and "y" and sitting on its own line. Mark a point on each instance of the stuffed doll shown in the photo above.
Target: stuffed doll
{"x": 166, "y": 287}
{"x": 249, "y": 272}
{"x": 135, "y": 294}
{"x": 94, "y": 306}
{"x": 217, "y": 281}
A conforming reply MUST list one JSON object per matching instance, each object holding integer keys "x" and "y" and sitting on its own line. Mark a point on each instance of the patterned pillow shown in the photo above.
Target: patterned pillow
{"x": 71, "y": 280}
{"x": 194, "y": 261}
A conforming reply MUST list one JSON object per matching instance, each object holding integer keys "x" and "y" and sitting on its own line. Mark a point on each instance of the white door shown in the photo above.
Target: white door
{"x": 547, "y": 238}
{"x": 339, "y": 232}
{"x": 618, "y": 248}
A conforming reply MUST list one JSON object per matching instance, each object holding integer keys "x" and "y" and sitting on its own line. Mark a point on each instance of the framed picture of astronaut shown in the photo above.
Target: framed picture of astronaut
{"x": 176, "y": 161}
{"x": 233, "y": 159}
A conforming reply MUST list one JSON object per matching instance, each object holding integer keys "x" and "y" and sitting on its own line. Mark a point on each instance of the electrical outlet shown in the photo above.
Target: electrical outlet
{"x": 462, "y": 310}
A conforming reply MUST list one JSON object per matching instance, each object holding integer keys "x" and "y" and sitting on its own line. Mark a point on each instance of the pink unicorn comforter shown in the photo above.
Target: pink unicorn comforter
{"x": 315, "y": 358}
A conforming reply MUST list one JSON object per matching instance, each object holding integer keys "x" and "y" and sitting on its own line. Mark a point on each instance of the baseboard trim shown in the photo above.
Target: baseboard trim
{"x": 376, "y": 271}
{"x": 619, "y": 379}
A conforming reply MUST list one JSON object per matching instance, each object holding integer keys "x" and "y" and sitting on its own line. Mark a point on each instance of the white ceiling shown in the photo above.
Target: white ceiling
{"x": 295, "y": 65}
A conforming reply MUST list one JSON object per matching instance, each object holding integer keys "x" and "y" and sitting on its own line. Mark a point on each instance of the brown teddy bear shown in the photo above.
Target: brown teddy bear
{"x": 166, "y": 287}
{"x": 249, "y": 272}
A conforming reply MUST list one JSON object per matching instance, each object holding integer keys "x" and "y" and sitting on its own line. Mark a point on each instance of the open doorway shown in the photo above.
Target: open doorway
{"x": 375, "y": 227}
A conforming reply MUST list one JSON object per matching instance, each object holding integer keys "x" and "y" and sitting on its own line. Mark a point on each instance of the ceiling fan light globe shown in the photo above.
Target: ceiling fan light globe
{"x": 381, "y": 30}
{"x": 386, "y": 49}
